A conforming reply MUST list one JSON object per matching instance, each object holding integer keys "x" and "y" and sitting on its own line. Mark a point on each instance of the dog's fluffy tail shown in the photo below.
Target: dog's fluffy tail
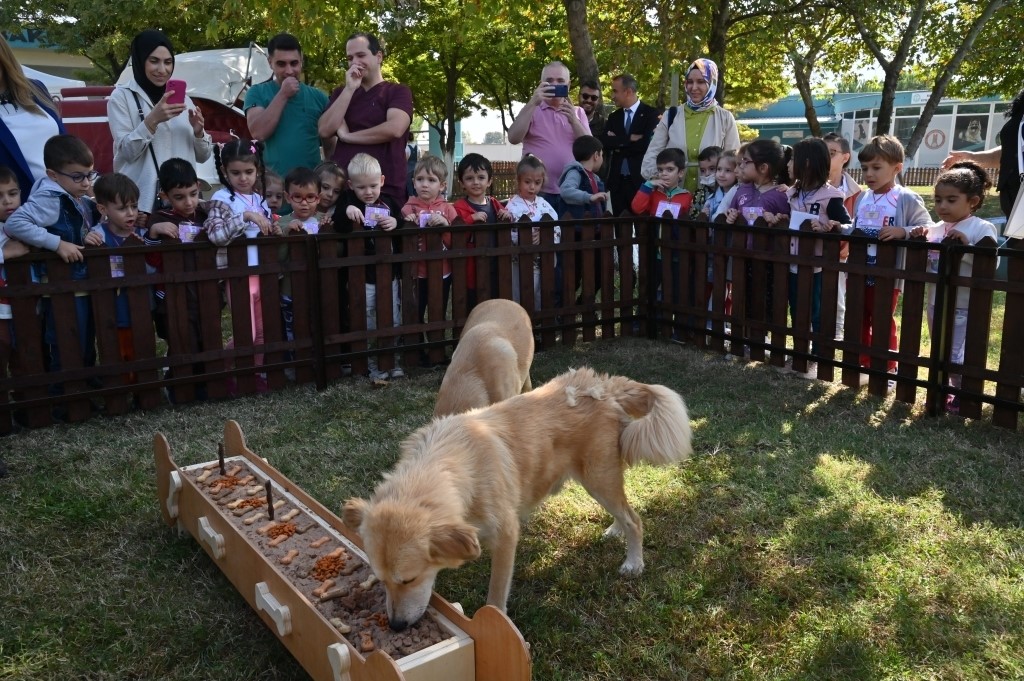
{"x": 660, "y": 430}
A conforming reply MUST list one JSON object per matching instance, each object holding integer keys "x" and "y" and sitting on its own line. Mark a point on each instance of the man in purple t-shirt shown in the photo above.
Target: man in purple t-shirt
{"x": 369, "y": 114}
{"x": 547, "y": 126}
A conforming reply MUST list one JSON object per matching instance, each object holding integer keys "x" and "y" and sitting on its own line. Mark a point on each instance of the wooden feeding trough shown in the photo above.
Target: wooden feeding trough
{"x": 305, "y": 575}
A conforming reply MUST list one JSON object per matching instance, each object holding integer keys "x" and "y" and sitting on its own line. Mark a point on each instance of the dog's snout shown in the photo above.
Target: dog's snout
{"x": 397, "y": 624}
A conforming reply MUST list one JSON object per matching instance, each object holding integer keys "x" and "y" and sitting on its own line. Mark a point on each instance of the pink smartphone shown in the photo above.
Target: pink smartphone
{"x": 178, "y": 86}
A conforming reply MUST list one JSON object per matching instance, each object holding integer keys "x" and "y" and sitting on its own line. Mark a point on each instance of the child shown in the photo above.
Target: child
{"x": 959, "y": 192}
{"x": 117, "y": 199}
{"x": 839, "y": 151}
{"x": 665, "y": 192}
{"x": 762, "y": 168}
{"x": 429, "y": 208}
{"x": 886, "y": 211}
{"x": 530, "y": 177}
{"x": 582, "y": 190}
{"x": 725, "y": 179}
{"x": 363, "y": 206}
{"x": 10, "y": 199}
{"x": 583, "y": 195}
{"x": 762, "y": 172}
{"x": 236, "y": 210}
{"x": 183, "y": 218}
{"x": 475, "y": 175}
{"x": 57, "y": 216}
{"x": 273, "y": 193}
{"x": 707, "y": 166}
{"x": 332, "y": 181}
{"x": 812, "y": 195}
{"x": 302, "y": 188}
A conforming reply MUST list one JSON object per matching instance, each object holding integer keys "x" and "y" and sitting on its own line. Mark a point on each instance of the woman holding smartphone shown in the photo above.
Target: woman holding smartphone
{"x": 151, "y": 121}
{"x": 699, "y": 123}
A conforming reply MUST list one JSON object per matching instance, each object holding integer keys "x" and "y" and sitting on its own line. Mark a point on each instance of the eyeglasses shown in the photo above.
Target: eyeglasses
{"x": 77, "y": 178}
{"x": 589, "y": 98}
{"x": 304, "y": 198}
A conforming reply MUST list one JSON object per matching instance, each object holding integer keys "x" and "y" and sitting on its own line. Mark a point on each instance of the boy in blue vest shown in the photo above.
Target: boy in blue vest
{"x": 57, "y": 216}
{"x": 583, "y": 194}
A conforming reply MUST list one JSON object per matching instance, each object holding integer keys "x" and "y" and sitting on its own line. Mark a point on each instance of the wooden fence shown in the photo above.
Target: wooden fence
{"x": 326, "y": 277}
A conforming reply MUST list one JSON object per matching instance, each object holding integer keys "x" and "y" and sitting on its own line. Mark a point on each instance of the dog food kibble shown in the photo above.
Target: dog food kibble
{"x": 328, "y": 566}
{"x": 251, "y": 503}
{"x": 286, "y": 529}
{"x": 366, "y": 642}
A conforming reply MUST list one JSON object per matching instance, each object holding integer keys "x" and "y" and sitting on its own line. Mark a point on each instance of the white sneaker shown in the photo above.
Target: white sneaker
{"x": 376, "y": 374}
{"x": 398, "y": 372}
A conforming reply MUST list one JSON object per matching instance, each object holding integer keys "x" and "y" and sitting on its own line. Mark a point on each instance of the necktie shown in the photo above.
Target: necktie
{"x": 629, "y": 121}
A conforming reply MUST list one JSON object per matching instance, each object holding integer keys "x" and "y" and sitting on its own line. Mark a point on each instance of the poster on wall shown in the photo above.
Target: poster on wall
{"x": 970, "y": 132}
{"x": 861, "y": 133}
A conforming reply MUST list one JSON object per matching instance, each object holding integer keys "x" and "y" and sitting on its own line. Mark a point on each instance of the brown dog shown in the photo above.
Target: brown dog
{"x": 492, "y": 360}
{"x": 470, "y": 479}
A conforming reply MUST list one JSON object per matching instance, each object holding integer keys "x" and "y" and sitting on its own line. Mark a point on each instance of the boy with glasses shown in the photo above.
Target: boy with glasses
{"x": 57, "y": 216}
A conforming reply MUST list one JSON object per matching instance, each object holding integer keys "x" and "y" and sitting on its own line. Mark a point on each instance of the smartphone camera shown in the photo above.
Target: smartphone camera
{"x": 561, "y": 90}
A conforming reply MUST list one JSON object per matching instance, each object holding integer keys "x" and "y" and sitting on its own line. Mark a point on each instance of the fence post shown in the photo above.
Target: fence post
{"x": 945, "y": 301}
{"x": 316, "y": 311}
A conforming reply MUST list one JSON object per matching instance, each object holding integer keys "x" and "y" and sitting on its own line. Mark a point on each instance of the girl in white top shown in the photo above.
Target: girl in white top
{"x": 958, "y": 193}
{"x": 147, "y": 128}
{"x": 237, "y": 210}
{"x": 530, "y": 176}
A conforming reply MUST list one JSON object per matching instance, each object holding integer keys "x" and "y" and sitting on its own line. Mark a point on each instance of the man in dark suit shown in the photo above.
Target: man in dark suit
{"x": 626, "y": 137}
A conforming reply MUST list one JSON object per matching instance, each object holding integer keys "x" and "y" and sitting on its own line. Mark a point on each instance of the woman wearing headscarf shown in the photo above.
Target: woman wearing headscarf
{"x": 146, "y": 128}
{"x": 697, "y": 124}
{"x": 28, "y": 118}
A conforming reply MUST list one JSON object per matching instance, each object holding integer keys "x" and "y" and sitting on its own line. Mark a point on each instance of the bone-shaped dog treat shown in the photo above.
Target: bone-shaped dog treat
{"x": 254, "y": 490}
{"x": 337, "y": 592}
{"x": 336, "y": 553}
{"x": 319, "y": 542}
{"x": 235, "y": 470}
{"x": 289, "y": 557}
{"x": 246, "y": 480}
{"x": 370, "y": 581}
{"x": 211, "y": 466}
{"x": 328, "y": 583}
{"x": 303, "y": 529}
{"x": 290, "y": 514}
{"x": 269, "y": 526}
{"x": 280, "y": 539}
{"x": 339, "y": 625}
{"x": 205, "y": 475}
{"x": 366, "y": 642}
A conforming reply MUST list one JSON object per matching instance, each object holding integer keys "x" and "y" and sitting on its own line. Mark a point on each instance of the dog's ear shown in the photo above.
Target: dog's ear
{"x": 455, "y": 542}
{"x": 352, "y": 512}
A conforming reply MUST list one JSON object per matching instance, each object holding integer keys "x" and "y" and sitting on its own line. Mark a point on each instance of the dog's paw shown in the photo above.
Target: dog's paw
{"x": 614, "y": 530}
{"x": 631, "y": 568}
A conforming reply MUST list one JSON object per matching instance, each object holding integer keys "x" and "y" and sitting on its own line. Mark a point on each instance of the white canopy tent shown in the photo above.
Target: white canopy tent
{"x": 218, "y": 75}
{"x": 53, "y": 84}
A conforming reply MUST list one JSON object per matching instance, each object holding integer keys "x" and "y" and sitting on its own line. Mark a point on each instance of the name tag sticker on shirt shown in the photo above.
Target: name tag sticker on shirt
{"x": 872, "y": 250}
{"x": 667, "y": 207}
{"x": 871, "y": 217}
{"x": 116, "y": 266}
{"x": 752, "y": 213}
{"x": 188, "y": 232}
{"x": 374, "y": 214}
{"x": 424, "y": 218}
{"x": 312, "y": 227}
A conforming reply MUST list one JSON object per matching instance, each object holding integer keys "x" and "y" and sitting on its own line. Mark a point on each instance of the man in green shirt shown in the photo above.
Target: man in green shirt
{"x": 283, "y": 112}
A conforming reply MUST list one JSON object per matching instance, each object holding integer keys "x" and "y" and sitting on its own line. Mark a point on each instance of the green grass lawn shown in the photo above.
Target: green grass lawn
{"x": 818, "y": 533}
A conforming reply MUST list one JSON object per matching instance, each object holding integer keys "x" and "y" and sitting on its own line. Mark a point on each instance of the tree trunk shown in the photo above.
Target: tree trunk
{"x": 802, "y": 69}
{"x": 894, "y": 68}
{"x": 717, "y": 41}
{"x": 946, "y": 73}
{"x": 579, "y": 38}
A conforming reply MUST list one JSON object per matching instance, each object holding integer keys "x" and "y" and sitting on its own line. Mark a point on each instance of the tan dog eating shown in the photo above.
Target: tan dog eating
{"x": 492, "y": 360}
{"x": 470, "y": 479}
